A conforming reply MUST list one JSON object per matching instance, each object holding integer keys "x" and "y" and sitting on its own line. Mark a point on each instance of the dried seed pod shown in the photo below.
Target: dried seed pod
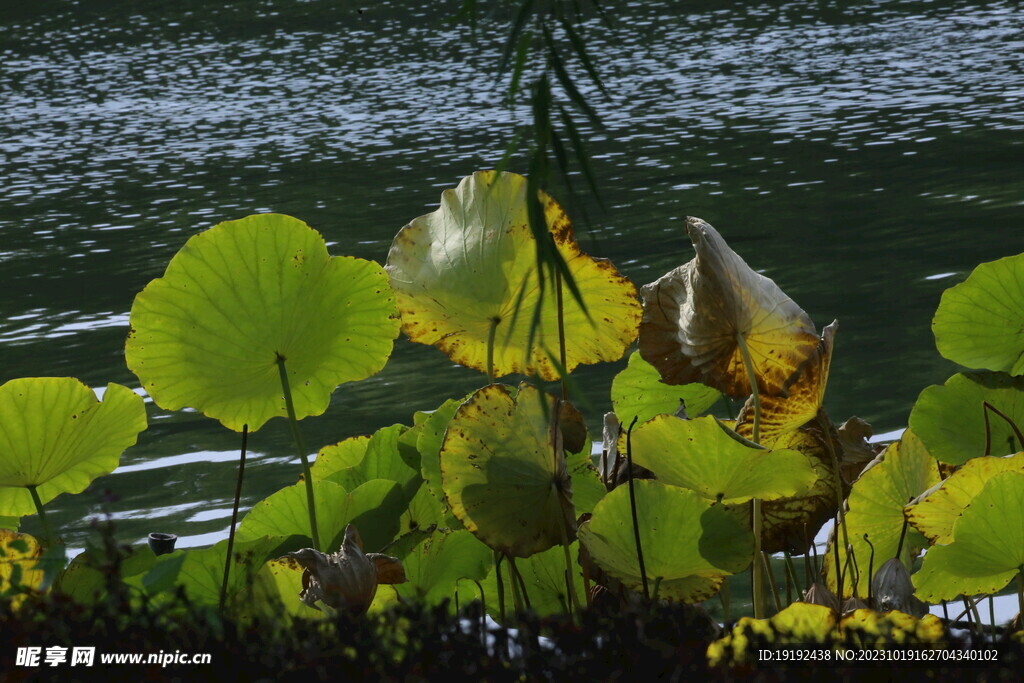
{"x": 346, "y": 580}
{"x": 819, "y": 594}
{"x": 893, "y": 590}
{"x": 852, "y": 605}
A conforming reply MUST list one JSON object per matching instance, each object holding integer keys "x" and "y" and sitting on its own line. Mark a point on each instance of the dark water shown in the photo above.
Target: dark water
{"x": 865, "y": 155}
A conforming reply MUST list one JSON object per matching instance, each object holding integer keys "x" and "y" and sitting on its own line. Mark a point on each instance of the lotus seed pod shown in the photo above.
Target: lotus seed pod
{"x": 893, "y": 590}
{"x": 818, "y": 594}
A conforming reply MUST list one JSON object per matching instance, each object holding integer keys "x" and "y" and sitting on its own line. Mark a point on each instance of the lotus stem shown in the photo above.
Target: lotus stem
{"x": 767, "y": 559}
{"x": 47, "y": 530}
{"x": 723, "y": 595}
{"x": 1020, "y": 595}
{"x": 871, "y": 573}
{"x": 501, "y": 586}
{"x": 518, "y": 578}
{"x": 570, "y": 584}
{"x": 756, "y": 576}
{"x": 561, "y": 326}
{"x": 300, "y": 448}
{"x": 234, "y": 519}
{"x": 657, "y": 587}
{"x": 490, "y": 348}
{"x": 632, "y": 508}
{"x": 992, "y": 615}
{"x": 824, "y": 422}
{"x": 986, "y": 406}
{"x": 791, "y": 577}
{"x": 517, "y": 599}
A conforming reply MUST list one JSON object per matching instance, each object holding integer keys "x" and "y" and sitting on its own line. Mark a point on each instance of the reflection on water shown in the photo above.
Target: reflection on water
{"x": 865, "y": 155}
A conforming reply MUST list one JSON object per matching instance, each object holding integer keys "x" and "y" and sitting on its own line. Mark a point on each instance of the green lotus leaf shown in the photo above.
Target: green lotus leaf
{"x": 504, "y": 471}
{"x": 429, "y": 443}
{"x": 55, "y": 435}
{"x": 904, "y": 471}
{"x": 383, "y": 459}
{"x": 696, "y": 315}
{"x": 587, "y": 487}
{"x": 423, "y": 511}
{"x": 689, "y": 544}
{"x": 987, "y": 550}
{"x": 699, "y": 455}
{"x": 937, "y": 513}
{"x": 374, "y": 507}
{"x": 208, "y": 334}
{"x": 340, "y": 456}
{"x": 201, "y": 571}
{"x": 85, "y": 578}
{"x": 474, "y": 261}
{"x": 274, "y": 594}
{"x": 10, "y": 523}
{"x": 950, "y": 419}
{"x": 980, "y": 322}
{"x": 435, "y": 566}
{"x": 639, "y": 392}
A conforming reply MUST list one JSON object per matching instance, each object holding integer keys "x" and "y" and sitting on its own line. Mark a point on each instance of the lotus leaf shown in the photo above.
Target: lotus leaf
{"x": 374, "y": 507}
{"x": 10, "y": 523}
{"x": 386, "y": 457}
{"x": 689, "y": 544}
{"x": 639, "y": 392}
{"x": 20, "y": 556}
{"x": 544, "y": 577}
{"x": 429, "y": 442}
{"x": 274, "y": 593}
{"x": 436, "y": 565}
{"x": 876, "y": 503}
{"x": 988, "y": 545}
{"x": 85, "y": 578}
{"x": 782, "y": 415}
{"x": 980, "y": 322}
{"x": 950, "y": 419}
{"x": 699, "y": 455}
{"x": 241, "y": 295}
{"x": 472, "y": 263}
{"x": 504, "y": 472}
{"x": 695, "y": 316}
{"x": 936, "y": 514}
{"x": 55, "y": 436}
{"x": 340, "y": 456}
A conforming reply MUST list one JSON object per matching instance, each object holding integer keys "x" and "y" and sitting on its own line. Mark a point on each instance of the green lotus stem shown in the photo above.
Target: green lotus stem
{"x": 234, "y": 519}
{"x": 791, "y": 577}
{"x": 561, "y": 326}
{"x": 518, "y": 578}
{"x": 300, "y": 448}
{"x": 47, "y": 531}
{"x": 823, "y": 422}
{"x": 992, "y": 615}
{"x": 977, "y": 617}
{"x": 1020, "y": 594}
{"x": 570, "y": 584}
{"x": 501, "y": 586}
{"x": 632, "y": 508}
{"x": 985, "y": 407}
{"x": 756, "y": 578}
{"x": 657, "y": 587}
{"x": 490, "y": 348}
{"x": 517, "y": 599}
{"x": 771, "y": 580}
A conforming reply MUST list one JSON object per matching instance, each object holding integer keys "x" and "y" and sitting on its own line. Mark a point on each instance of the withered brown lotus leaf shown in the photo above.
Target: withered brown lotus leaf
{"x": 857, "y": 452}
{"x": 781, "y": 415}
{"x": 693, "y": 315}
{"x": 346, "y": 580}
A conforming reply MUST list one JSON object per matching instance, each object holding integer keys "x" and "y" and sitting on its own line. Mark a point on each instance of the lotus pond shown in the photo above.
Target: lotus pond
{"x": 504, "y": 478}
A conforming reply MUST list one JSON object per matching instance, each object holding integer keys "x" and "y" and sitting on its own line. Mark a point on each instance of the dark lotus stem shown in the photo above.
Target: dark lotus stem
{"x": 808, "y": 574}
{"x": 47, "y": 530}
{"x": 1020, "y": 594}
{"x": 517, "y": 599}
{"x": 234, "y": 518}
{"x": 561, "y": 323}
{"x": 825, "y": 423}
{"x": 767, "y": 559}
{"x": 518, "y": 578}
{"x": 300, "y": 448}
{"x": 992, "y": 615}
{"x": 986, "y": 406}
{"x": 501, "y": 586}
{"x": 490, "y": 348}
{"x": 839, "y": 567}
{"x": 756, "y": 569}
{"x": 632, "y": 508}
{"x": 791, "y": 577}
{"x": 871, "y": 572}
{"x": 903, "y": 535}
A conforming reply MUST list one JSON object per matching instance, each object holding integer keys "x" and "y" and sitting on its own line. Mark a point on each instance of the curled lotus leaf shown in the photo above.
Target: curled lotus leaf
{"x": 473, "y": 263}
{"x": 980, "y": 322}
{"x": 504, "y": 471}
{"x": 241, "y": 295}
{"x": 935, "y": 515}
{"x": 701, "y": 456}
{"x": 987, "y": 551}
{"x": 781, "y": 415}
{"x": 875, "y": 508}
{"x": 695, "y": 315}
{"x": 56, "y": 436}
{"x": 955, "y": 424}
{"x": 689, "y": 543}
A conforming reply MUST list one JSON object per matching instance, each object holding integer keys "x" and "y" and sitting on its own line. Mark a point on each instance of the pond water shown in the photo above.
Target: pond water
{"x": 865, "y": 155}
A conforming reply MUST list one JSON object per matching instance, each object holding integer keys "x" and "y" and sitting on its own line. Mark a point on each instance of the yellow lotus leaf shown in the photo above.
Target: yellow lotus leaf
{"x": 935, "y": 514}
{"x": 472, "y": 264}
{"x": 694, "y": 315}
{"x": 781, "y": 415}
{"x": 19, "y": 558}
